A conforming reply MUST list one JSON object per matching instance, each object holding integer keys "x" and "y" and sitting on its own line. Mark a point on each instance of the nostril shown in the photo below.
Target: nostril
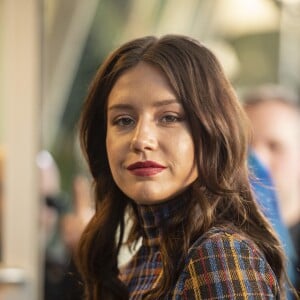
{"x": 143, "y": 143}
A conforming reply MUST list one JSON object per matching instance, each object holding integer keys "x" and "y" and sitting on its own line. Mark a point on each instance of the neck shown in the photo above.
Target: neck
{"x": 155, "y": 219}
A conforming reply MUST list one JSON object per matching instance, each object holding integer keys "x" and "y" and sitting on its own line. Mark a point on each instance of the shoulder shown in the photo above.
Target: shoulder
{"x": 223, "y": 241}
{"x": 224, "y": 263}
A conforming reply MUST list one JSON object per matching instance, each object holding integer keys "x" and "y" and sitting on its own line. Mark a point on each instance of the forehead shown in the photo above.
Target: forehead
{"x": 143, "y": 81}
{"x": 274, "y": 110}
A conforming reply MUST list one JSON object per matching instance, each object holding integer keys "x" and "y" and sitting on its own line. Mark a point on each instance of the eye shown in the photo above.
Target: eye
{"x": 170, "y": 119}
{"x": 124, "y": 121}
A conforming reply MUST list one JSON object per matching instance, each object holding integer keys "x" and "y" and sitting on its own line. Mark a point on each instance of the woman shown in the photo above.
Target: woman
{"x": 166, "y": 142}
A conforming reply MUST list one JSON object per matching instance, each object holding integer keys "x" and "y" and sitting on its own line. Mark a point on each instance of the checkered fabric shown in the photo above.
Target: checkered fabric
{"x": 221, "y": 264}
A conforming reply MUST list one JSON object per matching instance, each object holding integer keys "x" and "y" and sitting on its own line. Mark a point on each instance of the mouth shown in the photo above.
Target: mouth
{"x": 145, "y": 168}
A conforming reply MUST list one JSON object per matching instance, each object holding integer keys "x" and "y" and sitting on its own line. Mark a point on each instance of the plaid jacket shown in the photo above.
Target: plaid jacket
{"x": 222, "y": 264}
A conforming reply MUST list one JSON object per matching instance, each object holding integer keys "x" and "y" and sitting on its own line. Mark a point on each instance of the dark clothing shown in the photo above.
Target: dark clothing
{"x": 221, "y": 264}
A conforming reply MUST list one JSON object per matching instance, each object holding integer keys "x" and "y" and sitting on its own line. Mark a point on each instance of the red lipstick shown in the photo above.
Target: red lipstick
{"x": 145, "y": 168}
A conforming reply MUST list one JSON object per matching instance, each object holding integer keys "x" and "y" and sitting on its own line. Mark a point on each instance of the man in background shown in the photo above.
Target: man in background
{"x": 274, "y": 114}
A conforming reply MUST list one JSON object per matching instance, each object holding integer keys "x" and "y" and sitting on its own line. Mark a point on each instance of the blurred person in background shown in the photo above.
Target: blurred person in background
{"x": 63, "y": 224}
{"x": 266, "y": 196}
{"x": 275, "y": 116}
{"x": 61, "y": 227}
{"x": 52, "y": 208}
{"x": 72, "y": 226}
{"x": 74, "y": 222}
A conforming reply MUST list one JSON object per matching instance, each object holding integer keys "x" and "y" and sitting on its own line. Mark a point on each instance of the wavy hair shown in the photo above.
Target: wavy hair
{"x": 221, "y": 194}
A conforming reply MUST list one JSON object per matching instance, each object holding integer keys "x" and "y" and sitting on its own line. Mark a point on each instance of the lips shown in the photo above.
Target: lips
{"x": 145, "y": 168}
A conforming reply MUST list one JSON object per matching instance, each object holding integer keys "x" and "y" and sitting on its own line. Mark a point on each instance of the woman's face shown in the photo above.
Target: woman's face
{"x": 149, "y": 143}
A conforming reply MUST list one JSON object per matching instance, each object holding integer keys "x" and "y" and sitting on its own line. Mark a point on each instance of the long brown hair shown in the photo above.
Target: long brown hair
{"x": 221, "y": 194}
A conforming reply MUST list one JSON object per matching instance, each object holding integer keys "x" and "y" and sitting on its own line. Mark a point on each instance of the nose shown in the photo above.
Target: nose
{"x": 144, "y": 137}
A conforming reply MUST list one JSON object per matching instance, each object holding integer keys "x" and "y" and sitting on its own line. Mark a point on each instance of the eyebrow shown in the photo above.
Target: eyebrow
{"x": 156, "y": 104}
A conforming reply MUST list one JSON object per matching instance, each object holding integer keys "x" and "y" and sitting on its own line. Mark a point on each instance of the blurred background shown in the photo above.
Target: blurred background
{"x": 50, "y": 50}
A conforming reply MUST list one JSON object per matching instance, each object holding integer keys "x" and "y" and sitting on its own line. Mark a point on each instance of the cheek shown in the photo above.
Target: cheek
{"x": 110, "y": 149}
{"x": 285, "y": 160}
{"x": 184, "y": 150}
{"x": 116, "y": 153}
{"x": 185, "y": 153}
{"x": 285, "y": 170}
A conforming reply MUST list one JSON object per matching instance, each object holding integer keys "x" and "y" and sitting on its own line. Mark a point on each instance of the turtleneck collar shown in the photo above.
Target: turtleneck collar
{"x": 155, "y": 217}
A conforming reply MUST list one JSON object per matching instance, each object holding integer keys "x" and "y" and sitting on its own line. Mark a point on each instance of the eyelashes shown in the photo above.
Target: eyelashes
{"x": 171, "y": 119}
{"x": 124, "y": 121}
{"x": 128, "y": 121}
